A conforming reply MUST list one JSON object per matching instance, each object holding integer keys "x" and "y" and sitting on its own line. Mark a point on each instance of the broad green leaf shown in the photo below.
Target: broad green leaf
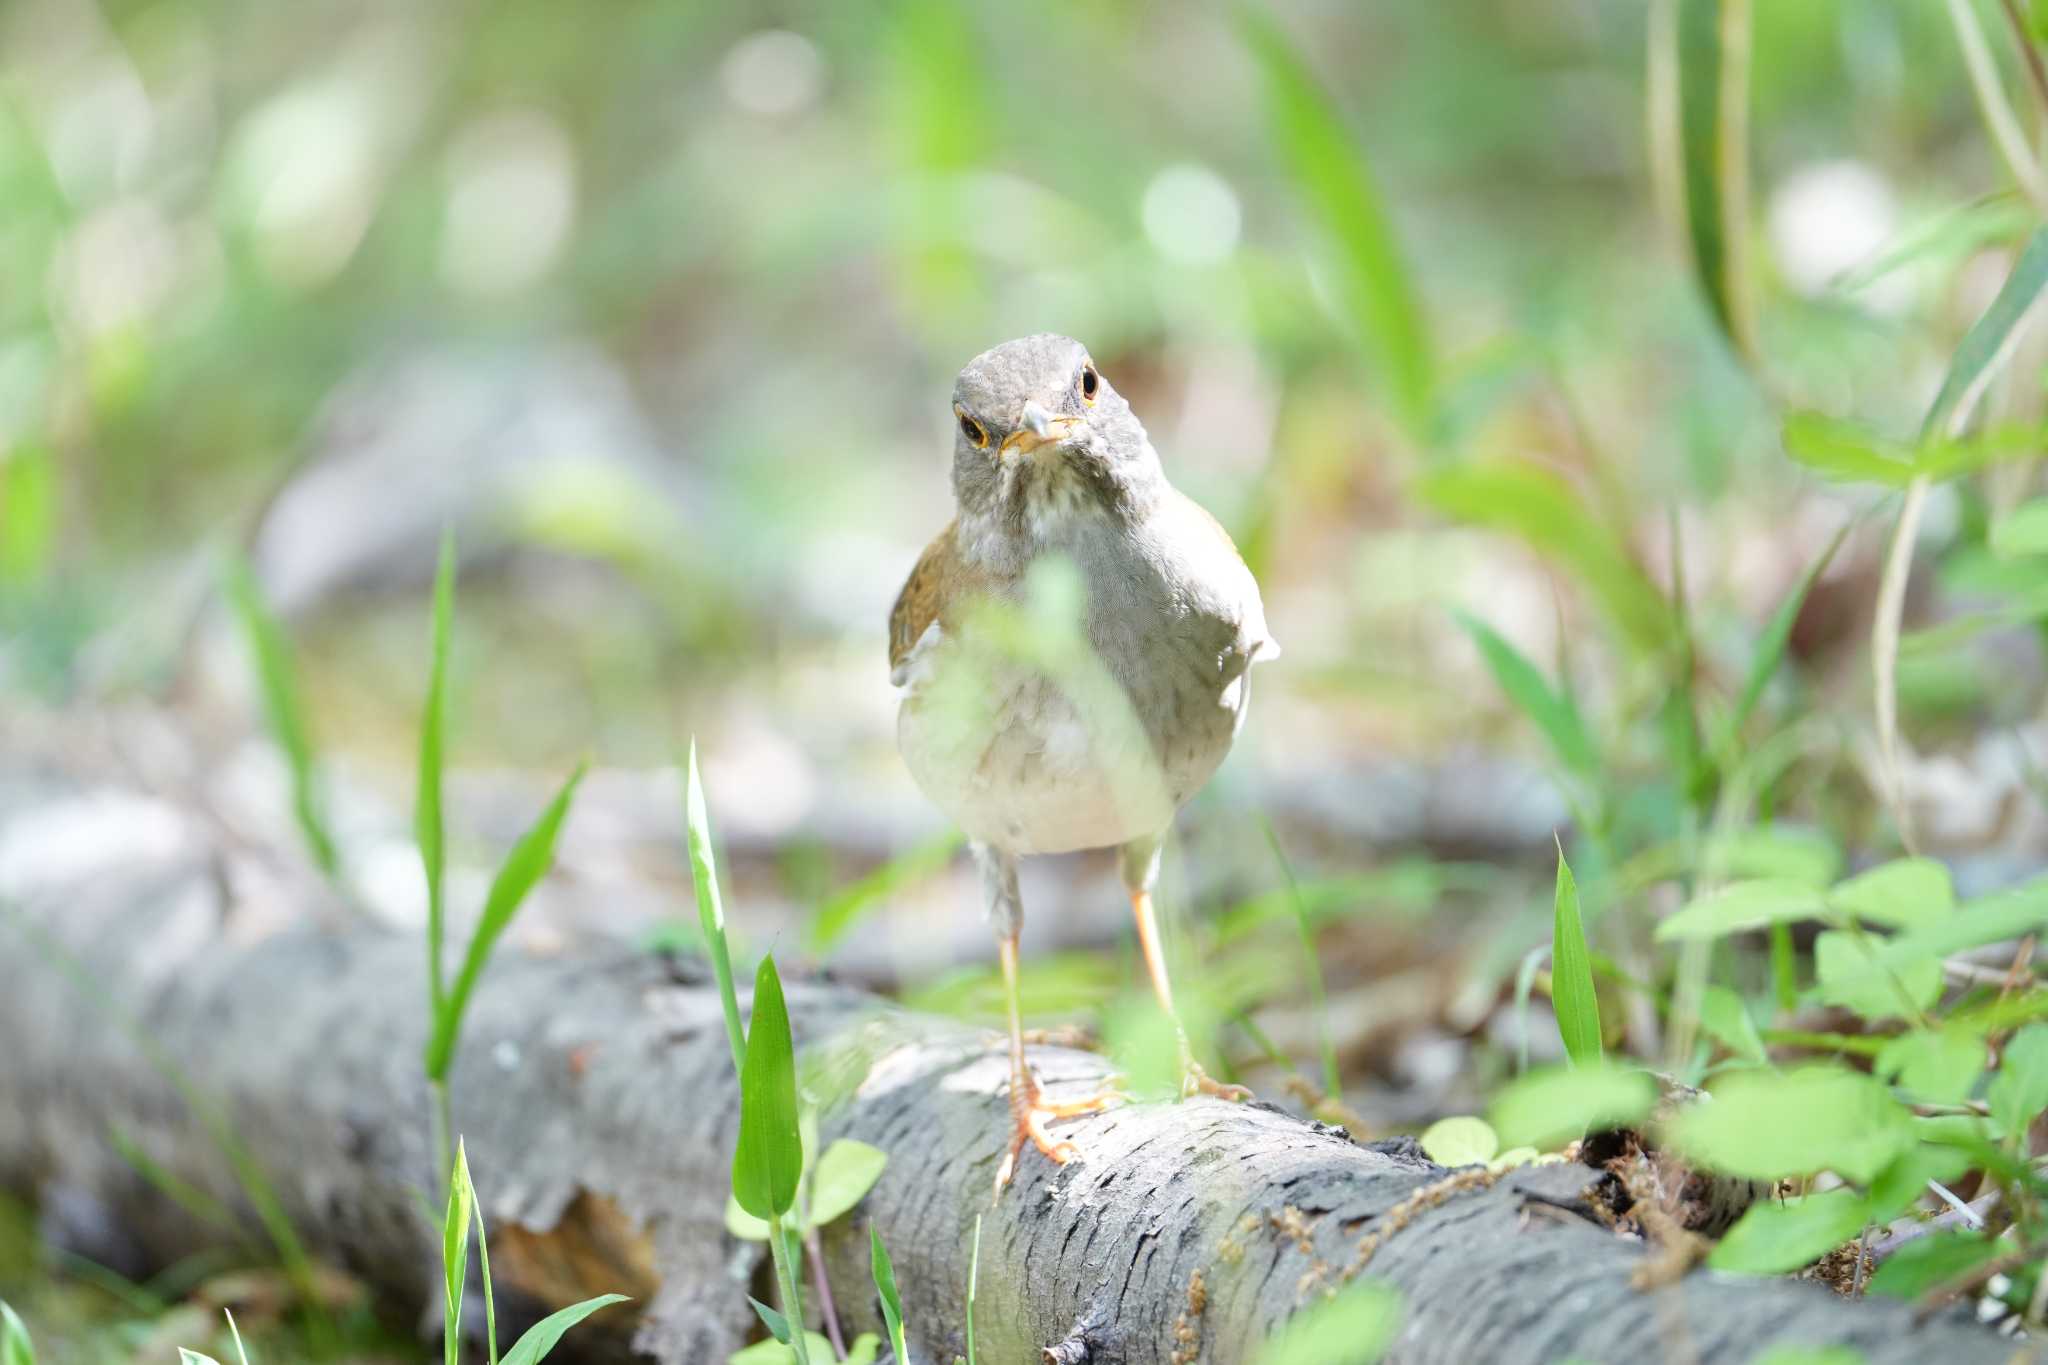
{"x": 1741, "y": 906}
{"x": 1355, "y": 1326}
{"x": 1767, "y": 1125}
{"x": 1329, "y": 170}
{"x": 15, "y": 1346}
{"x": 523, "y": 868}
{"x": 283, "y": 705}
{"x": 455, "y": 1253}
{"x": 844, "y": 909}
{"x": 1900, "y": 1184}
{"x": 1908, "y": 893}
{"x": 1989, "y": 919}
{"x": 1777, "y": 851}
{"x": 742, "y": 1224}
{"x": 1934, "y": 1260}
{"x": 187, "y": 1356}
{"x": 710, "y": 910}
{"x": 1571, "y": 973}
{"x": 1558, "y": 1104}
{"x": 1713, "y": 159}
{"x": 862, "y": 1350}
{"x": 778, "y": 1353}
{"x": 533, "y": 1346}
{"x": 2019, "y": 1091}
{"x": 2022, "y": 531}
{"x": 885, "y": 1287}
{"x": 1553, "y": 712}
{"x": 1846, "y": 453}
{"x": 1537, "y": 505}
{"x": 1773, "y": 1238}
{"x": 769, "y": 1159}
{"x": 1842, "y": 964}
{"x": 1935, "y": 1066}
{"x": 1989, "y": 343}
{"x": 844, "y": 1174}
{"x": 1770, "y": 647}
{"x": 428, "y": 829}
{"x": 1460, "y": 1140}
{"x": 1726, "y": 1020}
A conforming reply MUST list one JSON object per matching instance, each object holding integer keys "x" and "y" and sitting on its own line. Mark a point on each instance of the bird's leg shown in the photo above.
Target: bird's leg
{"x": 1029, "y": 1112}
{"x": 1141, "y": 872}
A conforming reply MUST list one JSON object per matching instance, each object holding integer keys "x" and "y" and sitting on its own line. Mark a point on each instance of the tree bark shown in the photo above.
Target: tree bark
{"x": 595, "y": 1094}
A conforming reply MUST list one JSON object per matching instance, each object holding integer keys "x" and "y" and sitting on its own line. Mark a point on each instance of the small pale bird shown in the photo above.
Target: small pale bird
{"x": 1032, "y": 749}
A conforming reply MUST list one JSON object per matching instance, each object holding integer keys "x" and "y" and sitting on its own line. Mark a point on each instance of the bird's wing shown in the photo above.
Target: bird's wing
{"x": 1254, "y": 641}
{"x": 921, "y": 603}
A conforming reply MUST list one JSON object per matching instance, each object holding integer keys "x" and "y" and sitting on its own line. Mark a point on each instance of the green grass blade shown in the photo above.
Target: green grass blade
{"x": 541, "y": 1338}
{"x": 848, "y": 907}
{"x": 1770, "y": 650}
{"x": 1713, "y": 38}
{"x": 1989, "y": 344}
{"x": 428, "y": 828}
{"x": 241, "y": 1352}
{"x": 885, "y": 1286}
{"x": 483, "y": 1268}
{"x": 769, "y": 1159}
{"x": 710, "y": 910}
{"x": 1554, "y": 712}
{"x": 455, "y": 1254}
{"x": 15, "y": 1346}
{"x": 283, "y": 705}
{"x": 188, "y": 1356}
{"x": 973, "y": 1287}
{"x": 1571, "y": 973}
{"x": 522, "y": 869}
{"x": 1330, "y": 172}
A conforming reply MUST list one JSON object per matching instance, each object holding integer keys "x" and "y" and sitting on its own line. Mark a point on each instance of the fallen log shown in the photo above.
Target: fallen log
{"x": 595, "y": 1094}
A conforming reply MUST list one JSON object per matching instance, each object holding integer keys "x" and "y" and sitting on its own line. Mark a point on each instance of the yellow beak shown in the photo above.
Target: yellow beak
{"x": 1039, "y": 428}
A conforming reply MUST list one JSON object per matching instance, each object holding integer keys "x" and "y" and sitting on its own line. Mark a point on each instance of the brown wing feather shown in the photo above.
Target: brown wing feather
{"x": 924, "y": 596}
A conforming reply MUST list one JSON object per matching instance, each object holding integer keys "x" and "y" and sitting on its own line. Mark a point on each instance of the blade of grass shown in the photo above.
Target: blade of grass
{"x": 1710, "y": 72}
{"x": 1331, "y": 174}
{"x": 848, "y": 907}
{"x": 1770, "y": 650}
{"x": 1571, "y": 973}
{"x": 710, "y": 910}
{"x": 427, "y": 821}
{"x": 1554, "y": 712}
{"x": 1999, "y": 118}
{"x": 769, "y": 1159}
{"x": 522, "y": 869}
{"x": 455, "y": 1254}
{"x": 241, "y": 1352}
{"x": 15, "y": 1346}
{"x": 533, "y": 1346}
{"x": 283, "y": 706}
{"x": 885, "y": 1286}
{"x": 973, "y": 1286}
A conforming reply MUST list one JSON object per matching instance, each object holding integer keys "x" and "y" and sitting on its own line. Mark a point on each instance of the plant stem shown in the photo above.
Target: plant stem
{"x": 2037, "y": 73}
{"x": 1992, "y": 104}
{"x": 442, "y": 1117}
{"x": 792, "y": 1296}
{"x": 826, "y": 1308}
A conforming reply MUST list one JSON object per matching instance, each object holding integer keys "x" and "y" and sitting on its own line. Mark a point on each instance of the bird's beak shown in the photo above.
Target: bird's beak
{"x": 1039, "y": 428}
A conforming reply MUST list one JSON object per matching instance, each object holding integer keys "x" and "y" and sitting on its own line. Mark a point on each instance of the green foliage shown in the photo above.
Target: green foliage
{"x": 769, "y": 1159}
{"x": 428, "y": 826}
{"x": 15, "y": 1346}
{"x": 1571, "y": 973}
{"x": 1768, "y": 1125}
{"x": 2019, "y": 1092}
{"x": 1354, "y": 1326}
{"x": 521, "y": 871}
{"x": 885, "y": 1290}
{"x": 844, "y": 910}
{"x": 283, "y": 704}
{"x": 1932, "y": 1261}
{"x": 538, "y": 1340}
{"x": 28, "y": 514}
{"x": 455, "y": 1254}
{"x": 1774, "y": 1237}
{"x": 1711, "y": 122}
{"x": 1553, "y": 711}
{"x": 973, "y": 1288}
{"x": 1545, "y": 1108}
{"x": 832, "y": 1185}
{"x": 710, "y": 910}
{"x": 1460, "y": 1140}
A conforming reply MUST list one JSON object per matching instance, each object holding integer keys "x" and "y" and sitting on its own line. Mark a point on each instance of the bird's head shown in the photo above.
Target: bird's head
{"x": 1040, "y": 439}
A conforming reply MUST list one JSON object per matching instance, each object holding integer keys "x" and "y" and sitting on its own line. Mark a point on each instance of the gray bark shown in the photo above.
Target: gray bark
{"x": 595, "y": 1093}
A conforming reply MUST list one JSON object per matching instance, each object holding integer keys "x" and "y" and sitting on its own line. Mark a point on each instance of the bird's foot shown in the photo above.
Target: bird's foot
{"x": 1030, "y": 1113}
{"x": 1195, "y": 1081}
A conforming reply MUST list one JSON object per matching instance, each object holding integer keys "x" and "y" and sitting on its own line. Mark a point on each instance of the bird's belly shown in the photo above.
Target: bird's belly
{"x": 1030, "y": 764}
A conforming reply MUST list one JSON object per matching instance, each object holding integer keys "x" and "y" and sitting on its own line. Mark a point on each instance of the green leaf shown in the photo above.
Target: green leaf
{"x": 1537, "y": 505}
{"x": 1777, "y": 851}
{"x": 455, "y": 1253}
{"x": 1710, "y": 122}
{"x": 1935, "y": 1066}
{"x": 1558, "y": 1104}
{"x": 1842, "y": 964}
{"x": 1726, "y": 1019}
{"x": 1773, "y": 1238}
{"x": 973, "y": 1288}
{"x": 777, "y": 1325}
{"x": 523, "y": 868}
{"x": 862, "y": 1350}
{"x": 283, "y": 705}
{"x": 1460, "y": 1140}
{"x": 1990, "y": 919}
{"x": 844, "y": 909}
{"x": 844, "y": 1174}
{"x": 885, "y": 1287}
{"x": 1989, "y": 343}
{"x": 1571, "y": 973}
{"x": 1330, "y": 172}
{"x": 1770, "y": 649}
{"x": 1553, "y": 711}
{"x": 190, "y": 1357}
{"x": 1900, "y": 1184}
{"x": 1354, "y": 1326}
{"x": 1845, "y": 452}
{"x": 539, "y": 1339}
{"x": 1810, "y": 1355}
{"x": 2019, "y": 1091}
{"x": 1767, "y": 1125}
{"x": 769, "y": 1160}
{"x": 742, "y": 1224}
{"x": 779, "y": 1353}
{"x": 2022, "y": 532}
{"x": 1934, "y": 1260}
{"x": 710, "y": 910}
{"x": 428, "y": 829}
{"x": 1741, "y": 906}
{"x": 1908, "y": 893}
{"x": 28, "y": 517}
{"x": 15, "y": 1346}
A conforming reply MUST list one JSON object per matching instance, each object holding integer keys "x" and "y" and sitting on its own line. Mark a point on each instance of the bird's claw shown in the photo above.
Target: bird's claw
{"x": 1031, "y": 1113}
{"x": 1194, "y": 1080}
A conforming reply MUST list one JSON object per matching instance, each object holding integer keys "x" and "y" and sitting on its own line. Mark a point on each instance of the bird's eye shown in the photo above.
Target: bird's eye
{"x": 1090, "y": 382}
{"x": 973, "y": 431}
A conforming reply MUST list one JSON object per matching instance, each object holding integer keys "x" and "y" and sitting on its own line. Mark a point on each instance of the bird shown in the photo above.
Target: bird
{"x": 1031, "y": 748}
